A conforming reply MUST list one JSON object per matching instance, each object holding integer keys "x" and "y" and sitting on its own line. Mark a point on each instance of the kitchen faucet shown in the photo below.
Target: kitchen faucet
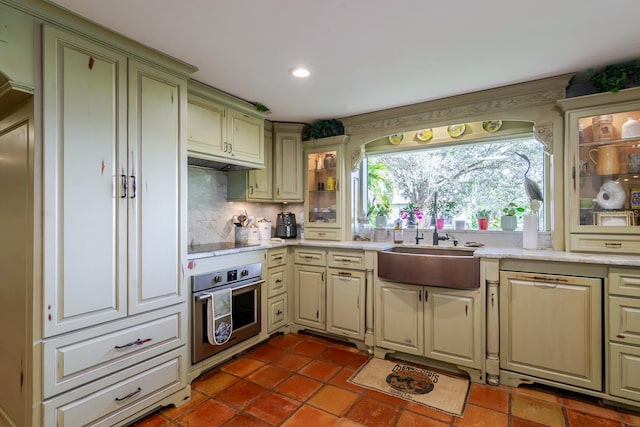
{"x": 436, "y": 238}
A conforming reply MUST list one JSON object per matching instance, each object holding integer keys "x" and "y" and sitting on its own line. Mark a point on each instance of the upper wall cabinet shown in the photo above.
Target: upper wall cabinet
{"x": 287, "y": 162}
{"x": 602, "y": 134}
{"x": 253, "y": 185}
{"x": 223, "y": 129}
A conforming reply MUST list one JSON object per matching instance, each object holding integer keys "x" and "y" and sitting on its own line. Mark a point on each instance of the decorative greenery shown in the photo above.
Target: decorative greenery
{"x": 382, "y": 210}
{"x": 614, "y": 77}
{"x": 323, "y": 128}
{"x": 512, "y": 209}
{"x": 447, "y": 209}
{"x": 261, "y": 107}
{"x": 483, "y": 213}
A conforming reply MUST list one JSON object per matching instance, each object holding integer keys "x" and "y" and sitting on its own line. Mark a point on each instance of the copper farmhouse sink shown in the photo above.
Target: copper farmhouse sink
{"x": 431, "y": 266}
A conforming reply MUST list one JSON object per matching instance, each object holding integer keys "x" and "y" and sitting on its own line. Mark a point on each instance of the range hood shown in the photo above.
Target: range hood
{"x": 220, "y": 165}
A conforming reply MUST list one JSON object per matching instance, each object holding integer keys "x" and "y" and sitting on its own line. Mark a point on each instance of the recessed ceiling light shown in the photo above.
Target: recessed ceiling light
{"x": 300, "y": 72}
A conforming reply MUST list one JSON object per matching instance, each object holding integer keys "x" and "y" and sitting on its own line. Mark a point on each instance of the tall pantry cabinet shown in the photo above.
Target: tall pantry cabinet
{"x": 106, "y": 330}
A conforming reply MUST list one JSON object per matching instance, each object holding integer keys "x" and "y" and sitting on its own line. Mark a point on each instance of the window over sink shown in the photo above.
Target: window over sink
{"x": 472, "y": 175}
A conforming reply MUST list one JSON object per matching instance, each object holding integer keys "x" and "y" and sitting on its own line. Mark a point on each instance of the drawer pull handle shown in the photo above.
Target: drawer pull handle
{"x": 344, "y": 273}
{"x": 279, "y": 312}
{"x": 619, "y": 336}
{"x": 136, "y": 342}
{"x": 322, "y": 234}
{"x": 613, "y": 245}
{"x": 278, "y": 280}
{"x": 130, "y": 395}
{"x": 277, "y": 258}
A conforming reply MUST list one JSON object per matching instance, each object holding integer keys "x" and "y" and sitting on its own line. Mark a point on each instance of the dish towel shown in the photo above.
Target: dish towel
{"x": 219, "y": 320}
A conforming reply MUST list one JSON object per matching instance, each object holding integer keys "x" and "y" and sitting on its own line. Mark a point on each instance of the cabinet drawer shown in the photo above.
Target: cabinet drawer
{"x": 624, "y": 320}
{"x": 276, "y": 281}
{"x": 624, "y": 380}
{"x": 310, "y": 256}
{"x": 624, "y": 281}
{"x": 73, "y": 360}
{"x": 321, "y": 234}
{"x": 277, "y": 314}
{"x": 276, "y": 257}
{"x": 601, "y": 243}
{"x": 112, "y": 399}
{"x": 346, "y": 259}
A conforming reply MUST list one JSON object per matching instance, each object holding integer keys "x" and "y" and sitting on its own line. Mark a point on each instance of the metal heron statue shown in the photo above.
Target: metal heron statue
{"x": 531, "y": 187}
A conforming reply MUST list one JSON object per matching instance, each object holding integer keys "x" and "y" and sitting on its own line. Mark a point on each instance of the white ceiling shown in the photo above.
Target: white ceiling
{"x": 367, "y": 55}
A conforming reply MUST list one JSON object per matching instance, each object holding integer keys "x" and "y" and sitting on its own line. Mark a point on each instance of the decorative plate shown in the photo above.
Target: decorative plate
{"x": 492, "y": 125}
{"x": 396, "y": 138}
{"x": 456, "y": 130}
{"x": 424, "y": 135}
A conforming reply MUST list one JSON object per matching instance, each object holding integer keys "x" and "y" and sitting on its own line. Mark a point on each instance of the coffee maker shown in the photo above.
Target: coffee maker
{"x": 286, "y": 225}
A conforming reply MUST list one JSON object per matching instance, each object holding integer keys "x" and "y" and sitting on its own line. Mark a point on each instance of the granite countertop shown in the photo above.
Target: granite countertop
{"x": 493, "y": 252}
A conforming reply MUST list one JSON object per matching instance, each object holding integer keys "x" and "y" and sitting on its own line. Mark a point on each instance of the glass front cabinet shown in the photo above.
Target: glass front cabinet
{"x": 602, "y": 137}
{"x": 324, "y": 198}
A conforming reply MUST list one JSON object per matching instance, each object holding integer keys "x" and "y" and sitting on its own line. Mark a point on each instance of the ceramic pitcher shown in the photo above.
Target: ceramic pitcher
{"x": 607, "y": 163}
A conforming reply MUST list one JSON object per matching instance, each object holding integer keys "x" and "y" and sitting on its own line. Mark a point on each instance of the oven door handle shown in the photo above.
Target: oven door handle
{"x": 208, "y": 295}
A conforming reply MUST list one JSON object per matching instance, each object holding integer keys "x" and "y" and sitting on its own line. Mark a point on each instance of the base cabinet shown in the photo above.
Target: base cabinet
{"x": 438, "y": 323}
{"x": 345, "y": 312}
{"x": 624, "y": 332}
{"x": 277, "y": 289}
{"x": 330, "y": 291}
{"x": 309, "y": 294}
{"x": 111, "y": 400}
{"x": 551, "y": 327}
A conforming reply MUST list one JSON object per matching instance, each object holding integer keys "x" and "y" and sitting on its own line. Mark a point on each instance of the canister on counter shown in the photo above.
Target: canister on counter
{"x": 602, "y": 128}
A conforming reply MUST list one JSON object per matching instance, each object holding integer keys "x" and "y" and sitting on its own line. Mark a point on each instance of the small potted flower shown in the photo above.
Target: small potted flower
{"x": 483, "y": 216}
{"x": 510, "y": 215}
{"x": 412, "y": 213}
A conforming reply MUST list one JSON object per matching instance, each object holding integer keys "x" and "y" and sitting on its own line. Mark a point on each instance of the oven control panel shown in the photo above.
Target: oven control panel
{"x": 228, "y": 276}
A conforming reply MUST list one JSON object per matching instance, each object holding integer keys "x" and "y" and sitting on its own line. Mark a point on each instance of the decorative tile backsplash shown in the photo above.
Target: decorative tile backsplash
{"x": 209, "y": 213}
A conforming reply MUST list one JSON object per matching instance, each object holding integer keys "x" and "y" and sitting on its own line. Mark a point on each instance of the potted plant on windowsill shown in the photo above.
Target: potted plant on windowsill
{"x": 447, "y": 210}
{"x": 382, "y": 212}
{"x": 483, "y": 216}
{"x": 510, "y": 215}
{"x": 412, "y": 213}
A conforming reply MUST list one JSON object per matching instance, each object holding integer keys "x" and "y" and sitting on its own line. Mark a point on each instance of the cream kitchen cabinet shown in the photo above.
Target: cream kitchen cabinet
{"x": 224, "y": 129}
{"x": 86, "y": 171}
{"x": 310, "y": 296}
{"x": 438, "y": 323}
{"x": 287, "y": 162}
{"x": 551, "y": 327}
{"x": 114, "y": 193}
{"x": 113, "y": 199}
{"x": 602, "y": 172}
{"x": 254, "y": 185}
{"x": 324, "y": 165}
{"x": 330, "y": 291}
{"x": 277, "y": 289}
{"x": 346, "y": 302}
{"x": 624, "y": 332}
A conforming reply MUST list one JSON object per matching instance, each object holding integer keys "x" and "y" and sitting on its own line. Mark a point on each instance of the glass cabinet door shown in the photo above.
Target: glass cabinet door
{"x": 606, "y": 172}
{"x": 322, "y": 182}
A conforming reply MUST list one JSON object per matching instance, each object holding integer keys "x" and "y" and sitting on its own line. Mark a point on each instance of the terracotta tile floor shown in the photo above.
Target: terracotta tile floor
{"x": 301, "y": 380}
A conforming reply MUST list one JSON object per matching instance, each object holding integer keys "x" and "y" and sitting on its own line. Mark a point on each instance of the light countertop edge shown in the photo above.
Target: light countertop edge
{"x": 494, "y": 252}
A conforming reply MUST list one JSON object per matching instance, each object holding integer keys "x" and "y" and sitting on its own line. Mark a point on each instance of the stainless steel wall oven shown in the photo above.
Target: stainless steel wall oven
{"x": 244, "y": 282}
